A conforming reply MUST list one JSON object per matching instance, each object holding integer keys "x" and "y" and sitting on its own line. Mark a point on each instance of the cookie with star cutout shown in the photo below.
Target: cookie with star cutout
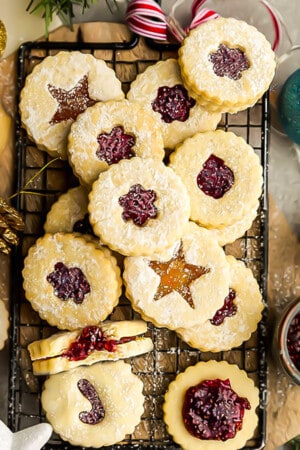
{"x": 94, "y": 406}
{"x": 182, "y": 286}
{"x": 60, "y": 88}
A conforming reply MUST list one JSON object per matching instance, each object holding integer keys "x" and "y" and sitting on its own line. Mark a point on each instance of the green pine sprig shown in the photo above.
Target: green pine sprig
{"x": 63, "y": 8}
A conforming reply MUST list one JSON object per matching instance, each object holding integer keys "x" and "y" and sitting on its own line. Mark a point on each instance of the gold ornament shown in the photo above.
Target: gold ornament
{"x": 10, "y": 223}
{"x": 3, "y": 38}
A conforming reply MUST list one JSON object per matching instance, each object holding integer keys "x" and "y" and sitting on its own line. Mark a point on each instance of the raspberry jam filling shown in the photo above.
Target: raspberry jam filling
{"x": 229, "y": 62}
{"x": 72, "y": 102}
{"x": 97, "y": 413}
{"x": 229, "y": 309}
{"x": 115, "y": 146}
{"x": 69, "y": 283}
{"x": 173, "y": 103}
{"x": 138, "y": 205}
{"x": 83, "y": 226}
{"x": 177, "y": 275}
{"x": 92, "y": 339}
{"x": 293, "y": 341}
{"x": 215, "y": 179}
{"x": 213, "y": 411}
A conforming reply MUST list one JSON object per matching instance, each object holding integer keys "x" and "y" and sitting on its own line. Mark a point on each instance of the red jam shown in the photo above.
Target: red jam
{"x": 213, "y": 411}
{"x": 115, "y": 146}
{"x": 229, "y": 62}
{"x": 69, "y": 283}
{"x": 173, "y": 103}
{"x": 215, "y": 179}
{"x": 92, "y": 339}
{"x": 138, "y": 205}
{"x": 228, "y": 309}
{"x": 293, "y": 341}
{"x": 97, "y": 413}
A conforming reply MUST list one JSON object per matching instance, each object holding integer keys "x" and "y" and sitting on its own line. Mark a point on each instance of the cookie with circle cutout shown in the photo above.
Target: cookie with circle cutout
{"x": 201, "y": 402}
{"x": 226, "y": 64}
{"x": 236, "y": 320}
{"x": 138, "y": 207}
{"x": 106, "y": 341}
{"x": 161, "y": 91}
{"x": 57, "y": 90}
{"x": 222, "y": 174}
{"x": 184, "y": 285}
{"x": 70, "y": 281}
{"x": 94, "y": 406}
{"x": 109, "y": 132}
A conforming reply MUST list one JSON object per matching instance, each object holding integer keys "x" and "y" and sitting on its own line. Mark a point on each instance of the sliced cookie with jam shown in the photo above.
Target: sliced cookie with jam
{"x": 182, "y": 286}
{"x": 211, "y": 405}
{"x": 107, "y": 341}
{"x": 109, "y": 132}
{"x": 60, "y": 88}
{"x": 138, "y": 206}
{"x": 161, "y": 91}
{"x": 94, "y": 406}
{"x": 70, "y": 281}
{"x": 226, "y": 64}
{"x": 222, "y": 174}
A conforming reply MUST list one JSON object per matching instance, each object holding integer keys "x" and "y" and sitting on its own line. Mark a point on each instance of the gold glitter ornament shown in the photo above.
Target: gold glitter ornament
{"x": 11, "y": 222}
{"x": 3, "y": 38}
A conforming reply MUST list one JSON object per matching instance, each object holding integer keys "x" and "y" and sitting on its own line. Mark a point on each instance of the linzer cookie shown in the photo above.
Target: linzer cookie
{"x": 94, "y": 406}
{"x": 58, "y": 89}
{"x": 181, "y": 289}
{"x": 107, "y": 341}
{"x": 211, "y": 405}
{"x": 70, "y": 281}
{"x": 161, "y": 91}
{"x": 138, "y": 206}
{"x": 69, "y": 213}
{"x": 109, "y": 132}
{"x": 236, "y": 320}
{"x": 226, "y": 64}
{"x": 222, "y": 174}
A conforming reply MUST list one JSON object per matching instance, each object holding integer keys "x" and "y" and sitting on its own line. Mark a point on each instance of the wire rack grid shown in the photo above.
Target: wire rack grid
{"x": 170, "y": 354}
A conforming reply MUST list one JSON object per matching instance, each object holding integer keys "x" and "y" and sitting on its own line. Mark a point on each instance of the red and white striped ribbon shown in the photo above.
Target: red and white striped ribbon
{"x": 146, "y": 18}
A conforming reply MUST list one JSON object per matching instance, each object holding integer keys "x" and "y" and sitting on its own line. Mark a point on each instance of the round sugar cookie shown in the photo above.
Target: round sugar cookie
{"x": 160, "y": 90}
{"x": 57, "y": 90}
{"x": 236, "y": 320}
{"x": 230, "y": 233}
{"x": 94, "y": 406}
{"x": 138, "y": 207}
{"x": 222, "y": 174}
{"x": 227, "y": 64}
{"x": 69, "y": 212}
{"x": 224, "y": 389}
{"x": 4, "y": 324}
{"x": 182, "y": 289}
{"x": 70, "y": 281}
{"x": 109, "y": 132}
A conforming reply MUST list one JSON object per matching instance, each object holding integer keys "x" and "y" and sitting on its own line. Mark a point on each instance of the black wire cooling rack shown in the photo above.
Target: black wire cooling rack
{"x": 159, "y": 367}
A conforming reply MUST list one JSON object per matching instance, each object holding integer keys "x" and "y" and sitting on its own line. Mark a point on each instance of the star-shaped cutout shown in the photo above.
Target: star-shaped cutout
{"x": 177, "y": 275}
{"x": 72, "y": 102}
{"x": 32, "y": 438}
{"x": 229, "y": 62}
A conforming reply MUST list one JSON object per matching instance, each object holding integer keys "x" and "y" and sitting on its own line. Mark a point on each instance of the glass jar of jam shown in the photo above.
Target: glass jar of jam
{"x": 287, "y": 340}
